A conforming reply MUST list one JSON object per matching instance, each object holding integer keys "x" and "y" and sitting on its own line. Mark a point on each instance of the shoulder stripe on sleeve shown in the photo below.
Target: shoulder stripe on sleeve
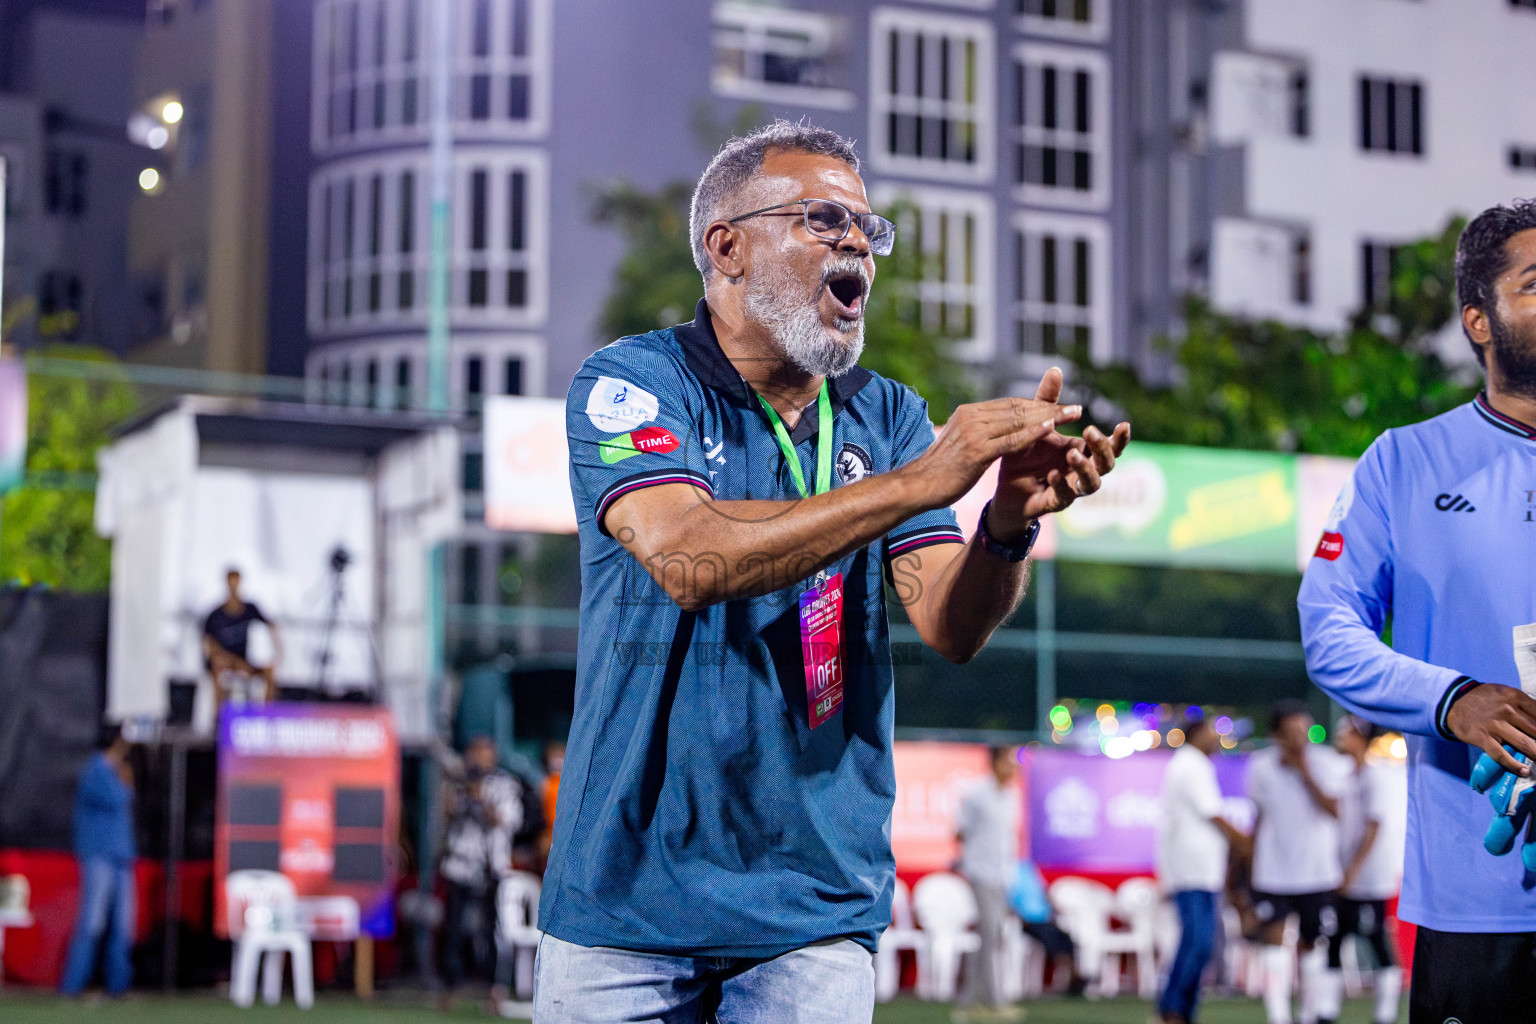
{"x": 923, "y": 538}
{"x": 651, "y": 479}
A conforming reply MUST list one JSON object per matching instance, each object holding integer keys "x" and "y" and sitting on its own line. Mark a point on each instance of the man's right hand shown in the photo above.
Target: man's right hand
{"x": 1490, "y": 717}
{"x": 979, "y": 434}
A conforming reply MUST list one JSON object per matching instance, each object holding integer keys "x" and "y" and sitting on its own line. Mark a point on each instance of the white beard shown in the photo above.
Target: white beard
{"x": 796, "y": 328}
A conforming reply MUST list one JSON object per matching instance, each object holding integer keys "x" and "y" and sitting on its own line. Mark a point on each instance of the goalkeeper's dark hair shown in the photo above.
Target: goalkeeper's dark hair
{"x": 1482, "y": 254}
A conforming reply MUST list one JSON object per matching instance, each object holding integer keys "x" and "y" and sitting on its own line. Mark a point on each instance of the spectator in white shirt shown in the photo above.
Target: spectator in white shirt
{"x": 1295, "y": 784}
{"x": 1373, "y": 866}
{"x": 1192, "y": 863}
{"x": 988, "y": 829}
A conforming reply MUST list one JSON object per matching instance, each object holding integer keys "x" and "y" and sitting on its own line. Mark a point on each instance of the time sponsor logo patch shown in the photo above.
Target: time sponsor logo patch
{"x": 637, "y": 442}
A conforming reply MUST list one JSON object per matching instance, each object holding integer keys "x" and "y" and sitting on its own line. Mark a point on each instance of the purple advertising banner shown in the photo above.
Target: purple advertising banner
{"x": 1089, "y": 812}
{"x": 13, "y": 422}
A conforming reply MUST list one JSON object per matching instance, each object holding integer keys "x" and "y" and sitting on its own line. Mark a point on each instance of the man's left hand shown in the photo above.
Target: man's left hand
{"x": 1053, "y": 472}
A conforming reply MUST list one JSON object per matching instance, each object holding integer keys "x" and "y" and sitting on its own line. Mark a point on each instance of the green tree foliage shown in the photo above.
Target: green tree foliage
{"x": 1268, "y": 385}
{"x": 46, "y": 532}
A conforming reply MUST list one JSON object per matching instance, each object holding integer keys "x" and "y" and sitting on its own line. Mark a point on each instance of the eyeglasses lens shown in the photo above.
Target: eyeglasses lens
{"x": 831, "y": 221}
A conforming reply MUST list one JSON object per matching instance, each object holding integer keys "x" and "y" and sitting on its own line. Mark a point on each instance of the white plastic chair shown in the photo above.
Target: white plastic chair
{"x": 1083, "y": 908}
{"x": 1136, "y": 903}
{"x": 902, "y": 934}
{"x": 517, "y": 926}
{"x": 945, "y": 908}
{"x": 262, "y": 910}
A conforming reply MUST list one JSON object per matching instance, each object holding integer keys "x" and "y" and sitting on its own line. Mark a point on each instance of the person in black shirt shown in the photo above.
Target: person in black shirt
{"x": 226, "y": 633}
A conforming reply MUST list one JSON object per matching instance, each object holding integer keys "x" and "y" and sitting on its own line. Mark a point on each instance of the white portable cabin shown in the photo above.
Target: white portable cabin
{"x": 276, "y": 490}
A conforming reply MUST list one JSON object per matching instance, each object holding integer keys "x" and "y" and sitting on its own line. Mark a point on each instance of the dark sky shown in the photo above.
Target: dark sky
{"x": 14, "y": 14}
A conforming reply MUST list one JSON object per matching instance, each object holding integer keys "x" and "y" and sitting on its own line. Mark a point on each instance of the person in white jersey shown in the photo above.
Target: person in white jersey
{"x": 1372, "y": 855}
{"x": 988, "y": 829}
{"x": 1294, "y": 784}
{"x": 1192, "y": 846}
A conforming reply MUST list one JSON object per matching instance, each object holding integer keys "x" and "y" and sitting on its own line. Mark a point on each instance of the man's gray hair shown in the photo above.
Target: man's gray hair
{"x": 740, "y": 160}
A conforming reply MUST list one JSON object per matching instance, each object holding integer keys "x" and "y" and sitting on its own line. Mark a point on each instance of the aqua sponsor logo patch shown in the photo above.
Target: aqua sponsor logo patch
{"x": 616, "y": 405}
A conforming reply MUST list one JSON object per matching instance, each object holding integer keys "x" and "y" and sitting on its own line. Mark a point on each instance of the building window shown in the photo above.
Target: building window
{"x": 1060, "y": 286}
{"x": 953, "y": 231}
{"x": 368, "y": 263}
{"x": 1528, "y": 4}
{"x": 474, "y": 383}
{"x": 1079, "y": 19}
{"x": 1391, "y": 115}
{"x": 1377, "y": 263}
{"x": 1522, "y": 158}
{"x": 373, "y": 69}
{"x": 1300, "y": 103}
{"x": 512, "y": 377}
{"x": 1060, "y": 114}
{"x": 931, "y": 95}
{"x": 469, "y": 557}
{"x": 403, "y": 383}
{"x": 1301, "y": 269}
{"x": 777, "y": 55}
{"x": 64, "y": 183}
{"x": 60, "y": 301}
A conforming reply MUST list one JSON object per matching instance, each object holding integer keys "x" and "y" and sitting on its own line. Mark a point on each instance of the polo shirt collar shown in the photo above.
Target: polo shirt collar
{"x": 1508, "y": 424}
{"x": 705, "y": 359}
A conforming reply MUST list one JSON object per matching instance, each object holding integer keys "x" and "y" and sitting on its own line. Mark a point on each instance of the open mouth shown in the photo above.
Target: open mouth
{"x": 847, "y": 290}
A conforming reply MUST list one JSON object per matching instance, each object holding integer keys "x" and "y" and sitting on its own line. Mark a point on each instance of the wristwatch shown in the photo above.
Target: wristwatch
{"x": 1015, "y": 552}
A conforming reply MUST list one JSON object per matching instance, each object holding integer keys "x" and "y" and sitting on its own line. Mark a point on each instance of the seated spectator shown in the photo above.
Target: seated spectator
{"x": 226, "y": 636}
{"x": 1027, "y": 896}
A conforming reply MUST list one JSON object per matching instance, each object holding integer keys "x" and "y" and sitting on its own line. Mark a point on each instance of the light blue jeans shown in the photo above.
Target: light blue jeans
{"x": 108, "y": 905}
{"x": 827, "y": 983}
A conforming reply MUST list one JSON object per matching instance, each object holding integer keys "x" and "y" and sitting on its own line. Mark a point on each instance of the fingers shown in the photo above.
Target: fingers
{"x": 1497, "y": 751}
{"x": 1022, "y": 438}
{"x": 1485, "y": 773}
{"x": 1082, "y": 474}
{"x": 1515, "y": 735}
{"x": 1050, "y": 386}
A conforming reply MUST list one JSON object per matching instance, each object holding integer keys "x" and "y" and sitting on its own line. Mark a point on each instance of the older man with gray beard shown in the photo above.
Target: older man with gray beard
{"x": 743, "y": 491}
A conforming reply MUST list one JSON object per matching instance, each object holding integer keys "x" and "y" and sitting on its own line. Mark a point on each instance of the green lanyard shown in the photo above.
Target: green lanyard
{"x": 823, "y": 443}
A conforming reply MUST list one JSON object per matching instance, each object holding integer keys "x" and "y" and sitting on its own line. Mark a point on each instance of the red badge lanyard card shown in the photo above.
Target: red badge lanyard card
{"x": 821, "y": 606}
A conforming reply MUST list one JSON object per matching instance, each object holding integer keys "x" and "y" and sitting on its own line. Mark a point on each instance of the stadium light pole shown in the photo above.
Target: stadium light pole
{"x": 438, "y": 279}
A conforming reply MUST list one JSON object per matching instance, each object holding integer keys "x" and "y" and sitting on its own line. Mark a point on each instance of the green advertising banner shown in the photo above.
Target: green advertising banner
{"x": 13, "y": 423}
{"x": 1196, "y": 507}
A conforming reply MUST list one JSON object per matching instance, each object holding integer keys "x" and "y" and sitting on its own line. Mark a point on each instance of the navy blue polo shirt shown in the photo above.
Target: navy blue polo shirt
{"x": 698, "y": 811}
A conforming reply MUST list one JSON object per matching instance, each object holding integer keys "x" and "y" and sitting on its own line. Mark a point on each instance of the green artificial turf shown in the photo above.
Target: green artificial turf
{"x": 22, "y": 1007}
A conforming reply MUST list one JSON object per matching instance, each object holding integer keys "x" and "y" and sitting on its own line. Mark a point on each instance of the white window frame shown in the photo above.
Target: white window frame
{"x": 494, "y": 350}
{"x": 1067, "y": 60}
{"x": 396, "y": 70}
{"x": 882, "y": 104}
{"x": 1098, "y": 319}
{"x": 499, "y": 162}
{"x": 981, "y": 293}
{"x": 1096, "y": 30}
{"x": 756, "y": 23}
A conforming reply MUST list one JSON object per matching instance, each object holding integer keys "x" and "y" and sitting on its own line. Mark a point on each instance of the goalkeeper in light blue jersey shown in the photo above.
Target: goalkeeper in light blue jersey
{"x": 1436, "y": 533}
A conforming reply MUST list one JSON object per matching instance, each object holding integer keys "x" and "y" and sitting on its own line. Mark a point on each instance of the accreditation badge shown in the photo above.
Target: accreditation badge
{"x": 821, "y": 643}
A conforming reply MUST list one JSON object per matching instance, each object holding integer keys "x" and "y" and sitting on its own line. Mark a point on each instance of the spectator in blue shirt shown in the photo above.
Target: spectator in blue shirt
{"x": 722, "y": 846}
{"x": 105, "y": 850}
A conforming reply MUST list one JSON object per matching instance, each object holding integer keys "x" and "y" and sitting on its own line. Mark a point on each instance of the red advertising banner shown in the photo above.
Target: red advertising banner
{"x": 930, "y": 777}
{"x": 312, "y": 791}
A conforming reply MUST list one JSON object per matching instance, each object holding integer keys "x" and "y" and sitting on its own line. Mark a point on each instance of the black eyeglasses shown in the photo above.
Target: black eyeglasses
{"x": 833, "y": 221}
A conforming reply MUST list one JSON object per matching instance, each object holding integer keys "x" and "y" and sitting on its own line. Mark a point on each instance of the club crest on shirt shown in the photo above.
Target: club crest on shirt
{"x": 617, "y": 405}
{"x": 853, "y": 463}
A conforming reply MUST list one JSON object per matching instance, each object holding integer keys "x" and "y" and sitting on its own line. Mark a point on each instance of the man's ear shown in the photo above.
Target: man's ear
{"x": 1475, "y": 322}
{"x": 724, "y": 249}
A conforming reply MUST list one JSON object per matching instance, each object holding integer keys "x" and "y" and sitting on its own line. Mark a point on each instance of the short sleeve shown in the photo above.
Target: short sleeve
{"x": 630, "y": 426}
{"x": 1205, "y": 793}
{"x": 256, "y": 614}
{"x": 914, "y": 435}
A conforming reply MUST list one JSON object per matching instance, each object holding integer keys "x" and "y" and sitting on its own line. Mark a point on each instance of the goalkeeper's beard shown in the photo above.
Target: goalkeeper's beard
{"x": 1514, "y": 353}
